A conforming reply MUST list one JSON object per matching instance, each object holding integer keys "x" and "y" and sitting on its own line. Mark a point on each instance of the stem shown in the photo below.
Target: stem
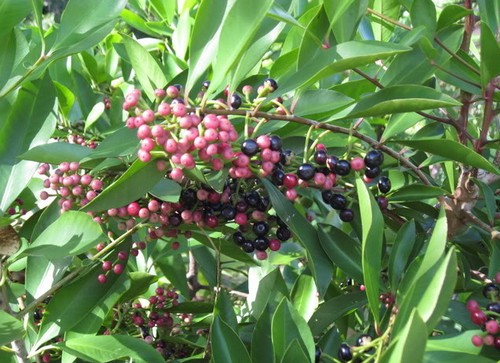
{"x": 26, "y": 75}
{"x": 320, "y": 125}
{"x": 306, "y": 145}
{"x": 487, "y": 117}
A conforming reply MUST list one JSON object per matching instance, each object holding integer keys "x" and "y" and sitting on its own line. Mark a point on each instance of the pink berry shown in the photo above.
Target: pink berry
{"x": 148, "y": 116}
{"x": 122, "y": 255}
{"x": 46, "y": 358}
{"x": 492, "y": 327}
{"x": 241, "y": 219}
{"x": 357, "y": 163}
{"x": 175, "y": 245}
{"x": 472, "y": 305}
{"x": 160, "y": 93}
{"x": 478, "y": 317}
{"x": 96, "y": 184}
{"x": 179, "y": 109}
{"x": 176, "y": 174}
{"x": 118, "y": 268}
{"x": 489, "y": 340}
{"x": 172, "y": 91}
{"x": 107, "y": 265}
{"x": 291, "y": 194}
{"x": 497, "y": 278}
{"x": 102, "y": 278}
{"x": 74, "y": 166}
{"x": 143, "y": 131}
{"x": 274, "y": 245}
{"x": 164, "y": 109}
{"x": 133, "y": 209}
{"x": 44, "y": 195}
{"x": 261, "y": 255}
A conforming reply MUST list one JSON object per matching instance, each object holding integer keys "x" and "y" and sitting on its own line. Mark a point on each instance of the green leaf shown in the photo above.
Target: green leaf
{"x": 270, "y": 291}
{"x": 454, "y": 357}
{"x": 137, "y": 181}
{"x": 342, "y": 250}
{"x": 400, "y": 123}
{"x": 372, "y": 224}
{"x": 195, "y": 307}
{"x": 451, "y": 150}
{"x": 489, "y": 200}
{"x": 10, "y": 328}
{"x": 295, "y": 353}
{"x": 122, "y": 142}
{"x": 304, "y": 296}
{"x": 226, "y": 344}
{"x": 237, "y": 31}
{"x": 207, "y": 264}
{"x": 409, "y": 345}
{"x": 148, "y": 72}
{"x": 416, "y": 192}
{"x": 403, "y": 246}
{"x": 106, "y": 348}
{"x": 224, "y": 310}
{"x": 450, "y": 14}
{"x": 56, "y": 153}
{"x": 382, "y": 29}
{"x": 136, "y": 22}
{"x": 320, "y": 264}
{"x": 335, "y": 308}
{"x": 42, "y": 273}
{"x": 262, "y": 345}
{"x": 287, "y": 325}
{"x": 84, "y": 24}
{"x": 139, "y": 284}
{"x": 423, "y": 13}
{"x": 71, "y": 234}
{"x": 489, "y": 12}
{"x": 313, "y": 102}
{"x": 26, "y": 123}
{"x": 401, "y": 98}
{"x": 174, "y": 270}
{"x": 94, "y": 115}
{"x": 13, "y": 11}
{"x": 490, "y": 53}
{"x": 344, "y": 23}
{"x": 167, "y": 190}
{"x": 204, "y": 42}
{"x": 460, "y": 343}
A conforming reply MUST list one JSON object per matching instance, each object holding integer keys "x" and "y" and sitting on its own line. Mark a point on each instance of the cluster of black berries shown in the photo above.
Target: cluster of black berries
{"x": 488, "y": 318}
{"x": 345, "y": 352}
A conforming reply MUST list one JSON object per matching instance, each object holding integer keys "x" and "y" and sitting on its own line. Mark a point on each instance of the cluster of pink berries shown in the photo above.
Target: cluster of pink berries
{"x": 73, "y": 185}
{"x": 489, "y": 317}
{"x": 81, "y": 140}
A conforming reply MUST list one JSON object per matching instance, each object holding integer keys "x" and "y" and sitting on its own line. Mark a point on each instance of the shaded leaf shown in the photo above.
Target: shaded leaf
{"x": 304, "y": 296}
{"x": 416, "y": 192}
{"x": 226, "y": 344}
{"x": 10, "y": 328}
{"x": 403, "y": 246}
{"x": 56, "y": 153}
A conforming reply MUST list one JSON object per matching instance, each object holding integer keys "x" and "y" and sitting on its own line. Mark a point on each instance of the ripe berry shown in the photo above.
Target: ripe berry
{"x": 374, "y": 158}
{"x": 274, "y": 245}
{"x": 384, "y": 184}
{"x": 290, "y": 181}
{"x": 320, "y": 157}
{"x": 249, "y": 147}
{"x": 346, "y": 215}
{"x": 343, "y": 167}
{"x": 305, "y": 172}
{"x": 238, "y": 238}
{"x": 383, "y": 202}
{"x": 228, "y": 212}
{"x": 276, "y": 144}
{"x": 491, "y": 291}
{"x": 270, "y": 84}
{"x": 278, "y": 176}
{"x": 235, "y": 102}
{"x": 252, "y": 198}
{"x": 327, "y": 196}
{"x": 261, "y": 243}
{"x": 102, "y": 278}
{"x": 118, "y": 268}
{"x": 345, "y": 353}
{"x": 478, "y": 317}
{"x": 372, "y": 172}
{"x": 248, "y": 246}
{"x": 331, "y": 162}
{"x": 260, "y": 228}
{"x": 283, "y": 233}
{"x": 338, "y": 201}
{"x": 494, "y": 307}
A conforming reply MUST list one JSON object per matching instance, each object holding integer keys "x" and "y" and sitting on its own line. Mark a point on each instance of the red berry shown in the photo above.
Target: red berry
{"x": 290, "y": 181}
{"x": 492, "y": 327}
{"x": 357, "y": 163}
{"x": 122, "y": 255}
{"x": 274, "y": 245}
{"x": 478, "y": 317}
{"x": 175, "y": 245}
{"x": 107, "y": 265}
{"x": 46, "y": 358}
{"x": 472, "y": 305}
{"x": 118, "y": 268}
{"x": 477, "y": 340}
{"x": 102, "y": 278}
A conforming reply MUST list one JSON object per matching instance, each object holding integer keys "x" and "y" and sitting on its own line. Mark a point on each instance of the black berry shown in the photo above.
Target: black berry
{"x": 338, "y": 201}
{"x": 260, "y": 228}
{"x": 374, "y": 158}
{"x": 238, "y": 238}
{"x": 346, "y": 215}
{"x": 491, "y": 291}
{"x": 276, "y": 144}
{"x": 235, "y": 101}
{"x": 331, "y": 162}
{"x": 494, "y": 307}
{"x": 205, "y": 85}
{"x": 261, "y": 243}
{"x": 384, "y": 184}
{"x": 252, "y": 198}
{"x": 249, "y": 147}
{"x": 248, "y": 246}
{"x": 327, "y": 196}
{"x": 382, "y": 201}
{"x": 228, "y": 212}
{"x": 320, "y": 157}
{"x": 345, "y": 352}
{"x": 343, "y": 167}
{"x": 372, "y": 172}
{"x": 188, "y": 198}
{"x": 271, "y": 84}
{"x": 305, "y": 172}
{"x": 317, "y": 354}
{"x": 278, "y": 176}
{"x": 283, "y": 234}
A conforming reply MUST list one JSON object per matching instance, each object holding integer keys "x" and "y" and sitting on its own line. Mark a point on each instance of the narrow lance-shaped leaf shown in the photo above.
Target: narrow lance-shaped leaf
{"x": 10, "y": 328}
{"x": 372, "y": 224}
{"x": 226, "y": 344}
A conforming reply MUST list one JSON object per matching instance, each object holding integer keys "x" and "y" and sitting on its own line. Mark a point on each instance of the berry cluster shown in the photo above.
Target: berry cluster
{"x": 80, "y": 140}
{"x": 73, "y": 185}
{"x": 489, "y": 317}
{"x": 17, "y": 208}
{"x": 363, "y": 347}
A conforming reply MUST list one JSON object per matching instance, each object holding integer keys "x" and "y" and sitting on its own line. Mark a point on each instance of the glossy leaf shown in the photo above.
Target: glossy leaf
{"x": 343, "y": 251}
{"x": 320, "y": 264}
{"x": 333, "y": 309}
{"x": 372, "y": 224}
{"x": 71, "y": 234}
{"x": 10, "y": 328}
{"x": 226, "y": 344}
{"x": 287, "y": 326}
{"x": 106, "y": 348}
{"x": 237, "y": 31}
{"x": 137, "y": 180}
{"x": 451, "y": 150}
{"x": 139, "y": 284}
{"x": 490, "y": 52}
{"x": 262, "y": 346}
{"x": 13, "y": 11}
{"x": 175, "y": 272}
{"x": 56, "y": 153}
{"x": 401, "y": 98}
{"x": 224, "y": 310}
{"x": 304, "y": 296}
{"x": 460, "y": 343}
{"x": 42, "y": 273}
{"x": 409, "y": 344}
{"x": 94, "y": 115}
{"x": 122, "y": 142}
{"x": 489, "y": 200}
{"x": 295, "y": 353}
{"x": 167, "y": 190}
{"x": 270, "y": 291}
{"x": 403, "y": 246}
{"x": 344, "y": 23}
{"x": 28, "y": 122}
{"x": 400, "y": 123}
{"x": 149, "y": 73}
{"x": 423, "y": 13}
{"x": 314, "y": 102}
{"x": 450, "y": 14}
{"x": 489, "y": 12}
{"x": 454, "y": 357}
{"x": 390, "y": 8}
{"x": 416, "y": 192}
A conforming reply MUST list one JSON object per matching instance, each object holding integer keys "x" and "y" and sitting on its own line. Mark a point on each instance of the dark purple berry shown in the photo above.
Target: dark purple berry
{"x": 338, "y": 201}
{"x": 374, "y": 158}
{"x": 346, "y": 215}
{"x": 260, "y": 228}
{"x": 331, "y": 162}
{"x": 327, "y": 196}
{"x": 249, "y": 147}
{"x": 205, "y": 85}
{"x": 188, "y": 198}
{"x": 252, "y": 198}
{"x": 494, "y": 307}
{"x": 261, "y": 243}
{"x": 271, "y": 84}
{"x": 491, "y": 291}
{"x": 175, "y": 219}
{"x": 343, "y": 167}
{"x": 283, "y": 234}
{"x": 305, "y": 172}
{"x": 238, "y": 238}
{"x": 228, "y": 212}
{"x": 317, "y": 355}
{"x": 345, "y": 352}
{"x": 320, "y": 157}
{"x": 372, "y": 172}
{"x": 276, "y": 144}
{"x": 382, "y": 201}
{"x": 384, "y": 184}
{"x": 248, "y": 246}
{"x": 263, "y": 204}
{"x": 278, "y": 176}
{"x": 235, "y": 102}
{"x": 241, "y": 206}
